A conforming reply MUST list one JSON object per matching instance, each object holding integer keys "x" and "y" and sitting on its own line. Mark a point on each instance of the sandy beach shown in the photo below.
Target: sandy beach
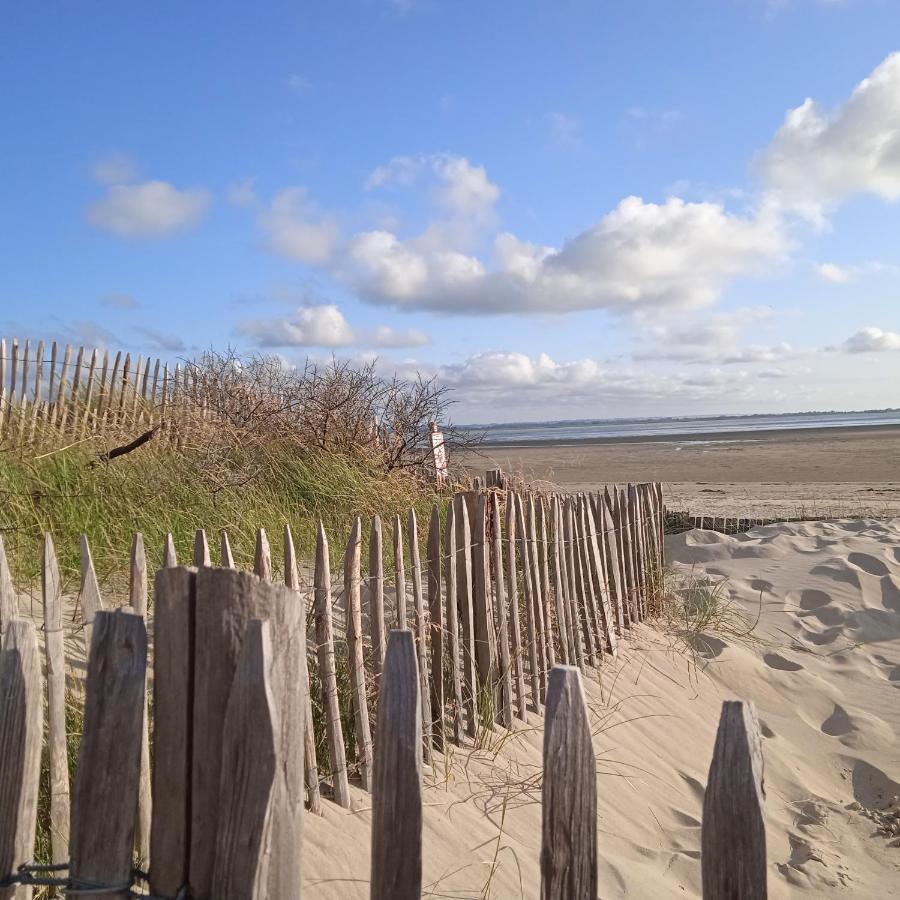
{"x": 823, "y": 670}
{"x": 821, "y": 471}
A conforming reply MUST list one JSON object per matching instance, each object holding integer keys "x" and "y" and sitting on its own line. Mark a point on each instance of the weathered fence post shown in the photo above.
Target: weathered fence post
{"x": 201, "y": 549}
{"x": 453, "y": 622}
{"x": 91, "y": 601}
{"x": 262, "y": 557}
{"x": 530, "y": 619}
{"x": 506, "y": 709}
{"x": 518, "y": 662}
{"x": 54, "y": 653}
{"x": 21, "y": 735}
{"x": 376, "y": 595}
{"x": 421, "y": 635}
{"x": 328, "y": 672}
{"x": 482, "y": 615}
{"x": 733, "y": 840}
{"x": 397, "y": 787}
{"x": 107, "y": 777}
{"x": 249, "y": 767}
{"x": 399, "y": 573}
{"x": 355, "y": 652}
{"x": 569, "y": 796}
{"x": 226, "y": 557}
{"x": 464, "y": 603}
{"x": 9, "y": 604}
{"x": 436, "y": 627}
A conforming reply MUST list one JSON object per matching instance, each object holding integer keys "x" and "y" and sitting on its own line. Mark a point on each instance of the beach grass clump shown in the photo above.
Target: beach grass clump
{"x": 695, "y": 607}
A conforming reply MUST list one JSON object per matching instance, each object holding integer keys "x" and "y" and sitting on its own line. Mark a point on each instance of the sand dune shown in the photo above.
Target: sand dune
{"x": 824, "y": 677}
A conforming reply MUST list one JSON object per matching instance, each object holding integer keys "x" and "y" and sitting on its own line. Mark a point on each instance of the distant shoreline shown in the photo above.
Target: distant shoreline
{"x": 760, "y": 435}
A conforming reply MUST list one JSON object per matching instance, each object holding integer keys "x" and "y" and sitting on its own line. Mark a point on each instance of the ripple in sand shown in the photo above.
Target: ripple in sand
{"x": 813, "y": 599}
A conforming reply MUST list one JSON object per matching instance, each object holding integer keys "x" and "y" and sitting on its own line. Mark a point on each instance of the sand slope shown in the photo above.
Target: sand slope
{"x": 826, "y": 687}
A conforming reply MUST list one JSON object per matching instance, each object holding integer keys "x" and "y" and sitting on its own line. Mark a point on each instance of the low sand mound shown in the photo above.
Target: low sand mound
{"x": 824, "y": 677}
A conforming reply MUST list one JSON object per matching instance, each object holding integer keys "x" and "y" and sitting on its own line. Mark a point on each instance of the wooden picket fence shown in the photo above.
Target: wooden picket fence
{"x": 81, "y": 391}
{"x": 220, "y": 813}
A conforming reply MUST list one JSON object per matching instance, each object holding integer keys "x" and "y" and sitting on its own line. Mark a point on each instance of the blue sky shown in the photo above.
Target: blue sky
{"x": 560, "y": 209}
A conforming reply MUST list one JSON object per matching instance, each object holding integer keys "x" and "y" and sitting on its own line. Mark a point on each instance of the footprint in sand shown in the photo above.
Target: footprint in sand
{"x": 837, "y": 570}
{"x": 858, "y": 729}
{"x": 765, "y": 731}
{"x": 868, "y": 563}
{"x": 775, "y": 661}
{"x": 890, "y": 592}
{"x": 812, "y": 599}
{"x": 838, "y": 723}
{"x": 696, "y": 788}
{"x": 761, "y": 586}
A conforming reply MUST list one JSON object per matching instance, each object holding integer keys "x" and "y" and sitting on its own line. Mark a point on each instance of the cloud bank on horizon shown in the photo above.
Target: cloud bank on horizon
{"x": 691, "y": 298}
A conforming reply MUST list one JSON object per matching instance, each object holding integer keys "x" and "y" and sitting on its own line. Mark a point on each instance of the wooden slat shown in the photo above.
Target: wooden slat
{"x": 531, "y": 639}
{"x": 21, "y": 734}
{"x": 583, "y": 588}
{"x": 573, "y": 615}
{"x": 466, "y": 616}
{"x": 399, "y": 574}
{"x": 547, "y": 607}
{"x": 226, "y": 601}
{"x": 455, "y": 653}
{"x": 327, "y": 672}
{"x": 601, "y": 583}
{"x": 569, "y": 794}
{"x": 72, "y": 401}
{"x": 608, "y": 542}
{"x": 51, "y": 387}
{"x": 249, "y": 766}
{"x": 201, "y": 549}
{"x": 9, "y": 603}
{"x": 4, "y": 403}
{"x": 88, "y": 397}
{"x": 733, "y": 838}
{"x": 174, "y": 606}
{"x": 59, "y": 405}
{"x": 516, "y": 628}
{"x": 376, "y": 595}
{"x": 615, "y": 524}
{"x": 591, "y": 579}
{"x": 310, "y": 763}
{"x": 226, "y": 557}
{"x": 421, "y": 636}
{"x": 107, "y": 778}
{"x": 537, "y": 601}
{"x": 396, "y": 872}
{"x": 262, "y": 557}
{"x": 89, "y": 594}
{"x": 355, "y": 653}
{"x": 558, "y": 555}
{"x": 506, "y": 702}
{"x": 55, "y": 659}
{"x": 436, "y": 627}
{"x": 38, "y": 379}
{"x": 169, "y": 558}
{"x": 482, "y": 613}
{"x": 137, "y": 595}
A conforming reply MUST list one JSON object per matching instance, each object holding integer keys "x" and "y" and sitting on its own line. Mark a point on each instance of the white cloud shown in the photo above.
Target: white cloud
{"x": 834, "y": 273}
{"x": 675, "y": 254}
{"x": 242, "y": 193}
{"x": 161, "y": 341}
{"x": 817, "y": 158}
{"x": 295, "y": 228}
{"x": 148, "y": 210}
{"x": 872, "y": 340}
{"x": 114, "y": 168}
{"x": 324, "y": 325}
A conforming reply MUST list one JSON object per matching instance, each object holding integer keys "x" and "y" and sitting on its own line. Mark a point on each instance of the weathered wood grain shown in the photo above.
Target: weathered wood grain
{"x": 733, "y": 838}
{"x": 226, "y": 557}
{"x": 518, "y": 660}
{"x": 310, "y": 763}
{"x": 376, "y": 595}
{"x": 557, "y": 554}
{"x": 174, "y": 612}
{"x": 547, "y": 603}
{"x": 355, "y": 653}
{"x": 249, "y": 764}
{"x": 9, "y": 603}
{"x": 89, "y": 594}
{"x": 421, "y": 632}
{"x": 54, "y": 654}
{"x": 169, "y": 558}
{"x": 399, "y": 573}
{"x": 482, "y": 613}
{"x": 455, "y": 651}
{"x": 436, "y": 627}
{"x": 328, "y": 672}
{"x": 506, "y": 694}
{"x": 466, "y": 614}
{"x": 569, "y": 794}
{"x": 262, "y": 556}
{"x": 201, "y": 549}
{"x": 226, "y": 600}
{"x": 396, "y": 872}
{"x": 137, "y": 595}
{"x": 107, "y": 777}
{"x": 21, "y": 736}
{"x": 531, "y": 639}
{"x": 537, "y": 599}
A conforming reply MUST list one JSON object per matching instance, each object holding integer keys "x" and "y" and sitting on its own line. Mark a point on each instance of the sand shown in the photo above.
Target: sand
{"x": 827, "y": 471}
{"x": 824, "y": 677}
